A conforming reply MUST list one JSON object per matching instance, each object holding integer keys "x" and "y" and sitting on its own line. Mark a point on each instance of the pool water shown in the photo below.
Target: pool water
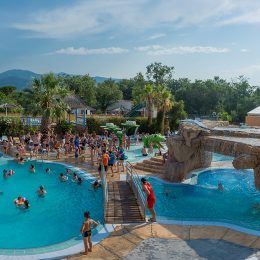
{"x": 238, "y": 204}
{"x": 52, "y": 219}
{"x": 135, "y": 153}
{"x": 217, "y": 157}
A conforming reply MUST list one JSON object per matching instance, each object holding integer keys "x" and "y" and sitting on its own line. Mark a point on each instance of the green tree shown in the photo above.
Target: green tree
{"x": 126, "y": 86}
{"x": 176, "y": 114}
{"x": 149, "y": 95}
{"x": 138, "y": 88}
{"x": 108, "y": 92}
{"x": 83, "y": 86}
{"x": 159, "y": 74}
{"x": 165, "y": 103}
{"x": 47, "y": 99}
{"x": 8, "y": 90}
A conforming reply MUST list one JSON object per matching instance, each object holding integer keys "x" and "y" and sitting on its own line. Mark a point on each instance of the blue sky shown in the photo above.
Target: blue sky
{"x": 118, "y": 38}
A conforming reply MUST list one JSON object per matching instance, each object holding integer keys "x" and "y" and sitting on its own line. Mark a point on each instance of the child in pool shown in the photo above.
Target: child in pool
{"x": 32, "y": 168}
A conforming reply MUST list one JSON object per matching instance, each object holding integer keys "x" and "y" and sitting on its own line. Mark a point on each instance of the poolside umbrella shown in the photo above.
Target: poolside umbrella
{"x": 7, "y": 106}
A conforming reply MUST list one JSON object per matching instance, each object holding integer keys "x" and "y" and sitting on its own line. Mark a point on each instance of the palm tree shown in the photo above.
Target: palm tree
{"x": 47, "y": 99}
{"x": 165, "y": 104}
{"x": 149, "y": 96}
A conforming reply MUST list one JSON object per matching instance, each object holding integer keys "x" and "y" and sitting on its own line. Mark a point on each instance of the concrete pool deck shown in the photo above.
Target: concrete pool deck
{"x": 128, "y": 237}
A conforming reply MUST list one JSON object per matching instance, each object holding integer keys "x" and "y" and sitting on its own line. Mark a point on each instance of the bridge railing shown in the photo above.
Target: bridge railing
{"x": 105, "y": 190}
{"x": 134, "y": 181}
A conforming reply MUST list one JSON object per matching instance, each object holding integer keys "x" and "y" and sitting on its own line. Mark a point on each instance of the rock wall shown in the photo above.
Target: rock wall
{"x": 186, "y": 153}
{"x": 193, "y": 146}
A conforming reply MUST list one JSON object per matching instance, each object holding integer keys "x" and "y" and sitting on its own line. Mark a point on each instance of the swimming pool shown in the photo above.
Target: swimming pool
{"x": 52, "y": 219}
{"x": 238, "y": 204}
{"x": 217, "y": 157}
{"x": 135, "y": 153}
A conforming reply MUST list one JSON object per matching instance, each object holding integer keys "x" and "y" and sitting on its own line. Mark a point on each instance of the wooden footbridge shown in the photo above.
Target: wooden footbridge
{"x": 124, "y": 201}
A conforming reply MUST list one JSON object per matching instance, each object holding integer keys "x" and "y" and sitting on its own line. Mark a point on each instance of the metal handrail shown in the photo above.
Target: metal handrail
{"x": 105, "y": 189}
{"x": 134, "y": 181}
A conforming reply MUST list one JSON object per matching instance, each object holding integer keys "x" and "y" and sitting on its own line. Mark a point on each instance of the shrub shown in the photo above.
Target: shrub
{"x": 63, "y": 127}
{"x": 11, "y": 126}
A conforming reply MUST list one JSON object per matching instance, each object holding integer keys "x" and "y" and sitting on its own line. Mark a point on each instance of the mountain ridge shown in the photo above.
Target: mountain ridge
{"x": 22, "y": 79}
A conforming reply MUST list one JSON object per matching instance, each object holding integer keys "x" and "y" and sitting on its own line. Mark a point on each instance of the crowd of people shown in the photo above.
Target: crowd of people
{"x": 106, "y": 150}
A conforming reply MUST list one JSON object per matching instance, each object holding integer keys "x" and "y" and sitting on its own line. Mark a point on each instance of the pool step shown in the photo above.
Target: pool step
{"x": 122, "y": 206}
{"x": 154, "y": 165}
{"x": 150, "y": 169}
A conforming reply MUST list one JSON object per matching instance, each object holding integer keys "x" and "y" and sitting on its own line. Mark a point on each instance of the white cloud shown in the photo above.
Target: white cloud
{"x": 158, "y": 50}
{"x": 86, "y": 17}
{"x": 244, "y": 50}
{"x": 85, "y": 51}
{"x": 156, "y": 36}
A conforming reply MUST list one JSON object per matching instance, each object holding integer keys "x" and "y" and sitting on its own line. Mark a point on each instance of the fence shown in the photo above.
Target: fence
{"x": 134, "y": 181}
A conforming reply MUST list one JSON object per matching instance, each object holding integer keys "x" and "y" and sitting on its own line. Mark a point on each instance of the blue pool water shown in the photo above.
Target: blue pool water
{"x": 238, "y": 204}
{"x": 135, "y": 153}
{"x": 53, "y": 219}
{"x": 220, "y": 157}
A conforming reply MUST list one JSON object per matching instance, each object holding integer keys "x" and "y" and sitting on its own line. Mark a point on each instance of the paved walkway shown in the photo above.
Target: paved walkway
{"x": 123, "y": 241}
{"x": 158, "y": 248}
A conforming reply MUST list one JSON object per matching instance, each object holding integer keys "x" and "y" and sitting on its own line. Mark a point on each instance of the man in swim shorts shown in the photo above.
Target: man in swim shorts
{"x": 147, "y": 188}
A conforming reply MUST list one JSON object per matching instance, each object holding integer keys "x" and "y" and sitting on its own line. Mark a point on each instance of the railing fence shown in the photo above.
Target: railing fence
{"x": 134, "y": 181}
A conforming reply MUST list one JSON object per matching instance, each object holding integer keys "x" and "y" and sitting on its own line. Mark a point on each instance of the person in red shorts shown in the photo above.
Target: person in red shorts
{"x": 147, "y": 188}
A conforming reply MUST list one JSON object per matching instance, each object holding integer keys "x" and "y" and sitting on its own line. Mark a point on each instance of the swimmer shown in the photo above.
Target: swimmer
{"x": 26, "y": 204}
{"x": 67, "y": 171}
{"x": 41, "y": 192}
{"x": 16, "y": 159}
{"x": 21, "y": 160}
{"x": 220, "y": 187}
{"x": 19, "y": 201}
{"x": 62, "y": 177}
{"x": 96, "y": 185}
{"x": 74, "y": 176}
{"x": 48, "y": 170}
{"x": 11, "y": 172}
{"x": 79, "y": 180}
{"x": 5, "y": 173}
{"x": 32, "y": 168}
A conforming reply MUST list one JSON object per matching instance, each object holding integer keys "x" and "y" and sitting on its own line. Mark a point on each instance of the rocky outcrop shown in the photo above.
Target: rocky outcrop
{"x": 185, "y": 153}
{"x": 191, "y": 149}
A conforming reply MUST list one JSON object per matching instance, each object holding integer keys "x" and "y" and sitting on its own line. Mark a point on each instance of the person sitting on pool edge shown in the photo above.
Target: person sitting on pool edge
{"x": 41, "y": 192}
{"x": 86, "y": 231}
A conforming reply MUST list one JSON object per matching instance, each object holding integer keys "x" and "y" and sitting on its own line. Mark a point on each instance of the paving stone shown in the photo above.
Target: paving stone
{"x": 211, "y": 232}
{"x": 239, "y": 238}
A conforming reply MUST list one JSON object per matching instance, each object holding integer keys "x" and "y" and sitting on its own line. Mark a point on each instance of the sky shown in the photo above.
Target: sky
{"x": 119, "y": 38}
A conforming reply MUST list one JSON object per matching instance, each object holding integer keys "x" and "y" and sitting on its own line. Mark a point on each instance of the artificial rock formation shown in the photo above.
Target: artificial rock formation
{"x": 191, "y": 149}
{"x": 185, "y": 153}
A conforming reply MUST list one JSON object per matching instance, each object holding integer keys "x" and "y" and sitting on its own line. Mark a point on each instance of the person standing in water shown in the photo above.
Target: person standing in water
{"x": 86, "y": 231}
{"x": 147, "y": 188}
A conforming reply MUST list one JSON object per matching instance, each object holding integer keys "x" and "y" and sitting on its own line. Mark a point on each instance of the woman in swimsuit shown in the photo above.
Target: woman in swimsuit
{"x": 86, "y": 231}
{"x": 147, "y": 188}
